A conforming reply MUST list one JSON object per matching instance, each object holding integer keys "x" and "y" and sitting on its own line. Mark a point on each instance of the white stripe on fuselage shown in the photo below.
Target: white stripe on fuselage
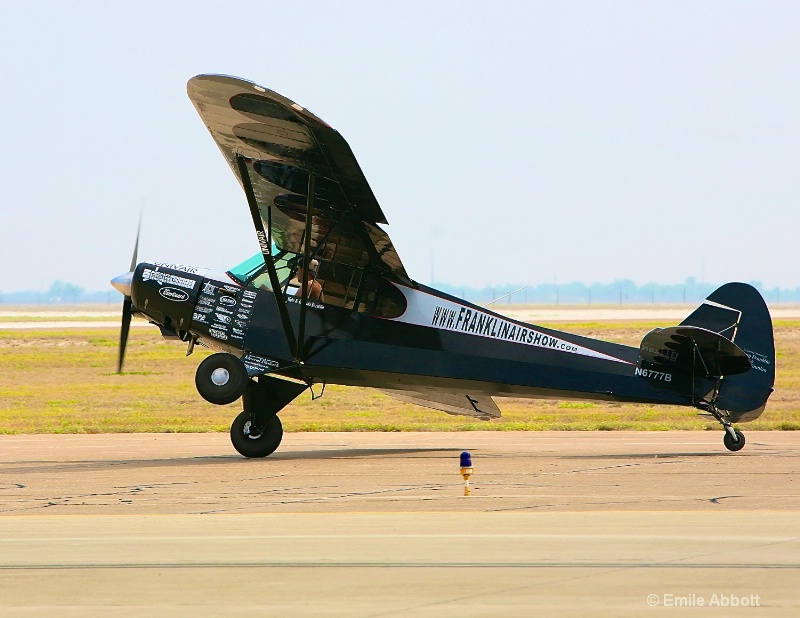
{"x": 427, "y": 310}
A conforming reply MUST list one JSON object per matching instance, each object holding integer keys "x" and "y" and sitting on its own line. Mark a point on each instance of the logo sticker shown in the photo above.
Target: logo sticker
{"x": 167, "y": 279}
{"x": 174, "y": 294}
{"x": 217, "y": 334}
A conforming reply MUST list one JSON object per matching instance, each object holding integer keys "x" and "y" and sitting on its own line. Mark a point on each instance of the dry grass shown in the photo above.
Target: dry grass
{"x": 64, "y": 382}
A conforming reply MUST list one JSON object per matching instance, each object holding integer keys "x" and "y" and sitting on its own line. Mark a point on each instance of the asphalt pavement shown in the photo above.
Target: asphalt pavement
{"x": 377, "y": 524}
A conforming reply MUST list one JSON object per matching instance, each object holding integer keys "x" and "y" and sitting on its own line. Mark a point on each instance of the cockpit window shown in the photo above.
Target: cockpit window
{"x": 343, "y": 284}
{"x": 253, "y": 272}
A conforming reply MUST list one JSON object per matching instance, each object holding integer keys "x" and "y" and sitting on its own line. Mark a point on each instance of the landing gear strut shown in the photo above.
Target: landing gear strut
{"x": 733, "y": 439}
{"x": 257, "y": 431}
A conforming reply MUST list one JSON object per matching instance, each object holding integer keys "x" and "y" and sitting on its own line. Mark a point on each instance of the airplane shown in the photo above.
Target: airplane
{"x": 328, "y": 301}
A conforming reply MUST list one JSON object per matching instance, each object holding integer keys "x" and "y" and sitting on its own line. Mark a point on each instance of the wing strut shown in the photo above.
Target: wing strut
{"x": 264, "y": 241}
{"x": 306, "y": 260}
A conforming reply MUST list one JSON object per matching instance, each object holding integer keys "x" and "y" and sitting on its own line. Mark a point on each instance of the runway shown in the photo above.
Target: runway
{"x": 56, "y": 318}
{"x": 558, "y": 523}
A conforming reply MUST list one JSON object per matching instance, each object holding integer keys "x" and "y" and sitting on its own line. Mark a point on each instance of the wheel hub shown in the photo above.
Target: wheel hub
{"x": 252, "y": 431}
{"x": 220, "y": 376}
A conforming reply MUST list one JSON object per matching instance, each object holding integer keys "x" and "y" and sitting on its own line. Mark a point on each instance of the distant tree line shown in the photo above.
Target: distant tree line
{"x": 623, "y": 292}
{"x": 60, "y": 293}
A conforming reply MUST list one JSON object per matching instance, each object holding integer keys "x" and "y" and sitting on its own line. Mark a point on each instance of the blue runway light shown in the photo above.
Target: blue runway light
{"x": 466, "y": 470}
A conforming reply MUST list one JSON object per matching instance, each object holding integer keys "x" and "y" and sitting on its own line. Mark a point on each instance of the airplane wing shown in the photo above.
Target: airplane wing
{"x": 465, "y": 404}
{"x": 282, "y": 143}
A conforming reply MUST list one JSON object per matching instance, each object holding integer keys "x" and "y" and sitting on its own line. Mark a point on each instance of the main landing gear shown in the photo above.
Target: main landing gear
{"x": 257, "y": 431}
{"x": 733, "y": 438}
{"x": 221, "y": 378}
{"x": 256, "y": 435}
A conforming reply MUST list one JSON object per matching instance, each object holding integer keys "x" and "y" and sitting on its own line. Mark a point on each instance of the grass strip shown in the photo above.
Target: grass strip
{"x": 63, "y": 381}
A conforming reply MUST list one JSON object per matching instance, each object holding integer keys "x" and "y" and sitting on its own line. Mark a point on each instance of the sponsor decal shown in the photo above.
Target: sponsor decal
{"x": 242, "y": 316}
{"x": 203, "y": 309}
{"x": 174, "y": 294}
{"x": 205, "y": 300}
{"x": 240, "y": 323}
{"x": 218, "y": 334}
{"x": 263, "y": 242}
{"x": 228, "y": 301}
{"x": 259, "y": 364}
{"x": 757, "y": 360}
{"x": 224, "y": 310}
{"x": 665, "y": 353}
{"x": 468, "y": 320}
{"x": 238, "y": 331}
{"x": 167, "y": 279}
{"x": 653, "y": 375}
{"x": 249, "y": 294}
{"x": 199, "y": 317}
{"x": 224, "y": 319}
{"x": 187, "y": 269}
{"x": 425, "y": 309}
{"x": 309, "y": 303}
{"x": 209, "y": 289}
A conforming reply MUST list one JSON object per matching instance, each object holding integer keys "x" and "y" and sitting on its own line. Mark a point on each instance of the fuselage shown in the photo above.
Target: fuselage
{"x": 427, "y": 339}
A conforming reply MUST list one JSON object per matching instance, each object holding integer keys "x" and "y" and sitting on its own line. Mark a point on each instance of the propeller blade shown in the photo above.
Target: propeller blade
{"x": 127, "y": 312}
{"x": 134, "y": 259}
{"x": 127, "y": 304}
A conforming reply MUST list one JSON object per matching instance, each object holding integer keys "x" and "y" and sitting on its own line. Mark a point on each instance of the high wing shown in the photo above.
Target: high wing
{"x": 280, "y": 145}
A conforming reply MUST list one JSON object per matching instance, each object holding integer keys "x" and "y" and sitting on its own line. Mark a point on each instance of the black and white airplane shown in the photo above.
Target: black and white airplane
{"x": 365, "y": 322}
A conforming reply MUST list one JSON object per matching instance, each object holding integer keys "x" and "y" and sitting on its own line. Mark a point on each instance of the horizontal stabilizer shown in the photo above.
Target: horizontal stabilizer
{"x": 693, "y": 350}
{"x": 722, "y": 320}
{"x": 466, "y": 404}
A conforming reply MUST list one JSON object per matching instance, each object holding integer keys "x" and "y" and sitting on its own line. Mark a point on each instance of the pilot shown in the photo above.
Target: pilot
{"x": 310, "y": 274}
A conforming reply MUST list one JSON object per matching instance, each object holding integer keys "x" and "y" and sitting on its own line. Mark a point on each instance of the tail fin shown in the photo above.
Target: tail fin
{"x": 738, "y": 312}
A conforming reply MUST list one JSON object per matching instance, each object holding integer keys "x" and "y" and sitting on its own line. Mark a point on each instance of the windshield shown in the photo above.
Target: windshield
{"x": 253, "y": 271}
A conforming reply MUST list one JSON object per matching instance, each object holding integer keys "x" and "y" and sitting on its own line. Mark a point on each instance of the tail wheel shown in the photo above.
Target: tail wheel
{"x": 731, "y": 444}
{"x": 221, "y": 378}
{"x": 256, "y": 436}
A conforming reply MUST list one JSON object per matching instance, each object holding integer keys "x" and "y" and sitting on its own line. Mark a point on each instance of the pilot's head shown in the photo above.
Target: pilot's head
{"x": 313, "y": 265}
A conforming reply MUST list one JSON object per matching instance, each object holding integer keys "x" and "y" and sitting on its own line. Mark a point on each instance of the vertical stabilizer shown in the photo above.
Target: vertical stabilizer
{"x": 737, "y": 311}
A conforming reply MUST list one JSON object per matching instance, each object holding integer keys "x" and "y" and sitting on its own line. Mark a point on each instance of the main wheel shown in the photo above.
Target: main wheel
{"x": 738, "y": 445}
{"x": 221, "y": 378}
{"x": 254, "y": 437}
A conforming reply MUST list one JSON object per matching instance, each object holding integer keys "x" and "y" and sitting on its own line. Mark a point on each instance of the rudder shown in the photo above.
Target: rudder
{"x": 738, "y": 312}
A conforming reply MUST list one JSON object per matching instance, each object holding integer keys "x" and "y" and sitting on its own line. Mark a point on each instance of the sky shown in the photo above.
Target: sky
{"x": 526, "y": 142}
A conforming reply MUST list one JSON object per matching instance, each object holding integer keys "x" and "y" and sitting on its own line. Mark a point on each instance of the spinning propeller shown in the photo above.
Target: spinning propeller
{"x": 123, "y": 285}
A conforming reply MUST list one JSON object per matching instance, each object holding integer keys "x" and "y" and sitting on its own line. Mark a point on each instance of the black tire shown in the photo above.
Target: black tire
{"x": 221, "y": 378}
{"x": 253, "y": 441}
{"x": 738, "y": 445}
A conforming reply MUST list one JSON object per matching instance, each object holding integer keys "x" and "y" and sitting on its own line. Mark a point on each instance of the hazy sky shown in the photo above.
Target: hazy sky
{"x": 505, "y": 141}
